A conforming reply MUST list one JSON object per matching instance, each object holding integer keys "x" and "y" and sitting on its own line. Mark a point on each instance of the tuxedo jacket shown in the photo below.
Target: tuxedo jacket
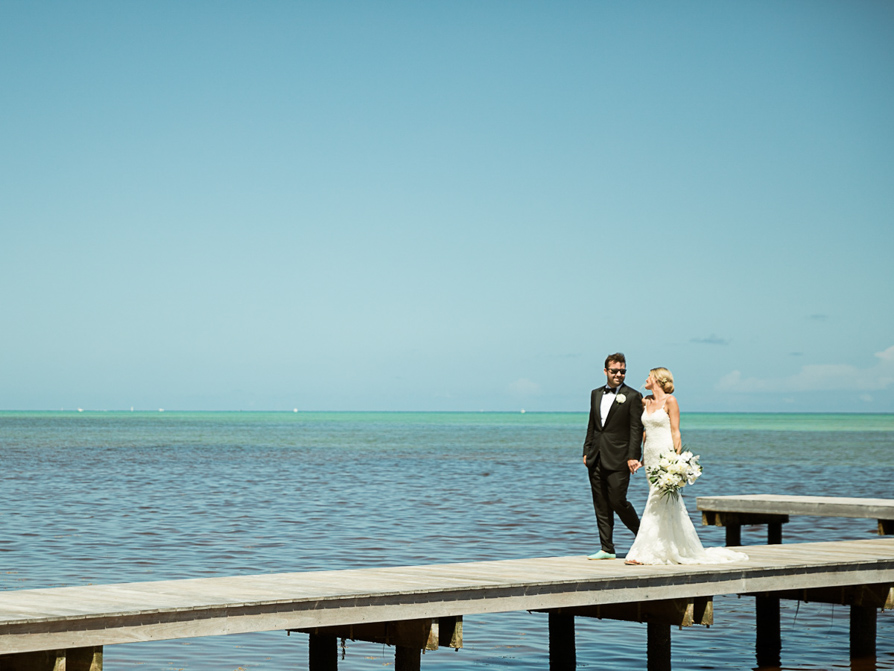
{"x": 617, "y": 437}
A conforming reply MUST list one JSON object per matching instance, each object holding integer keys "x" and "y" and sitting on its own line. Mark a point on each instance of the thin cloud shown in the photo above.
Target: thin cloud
{"x": 524, "y": 387}
{"x": 816, "y": 377}
{"x": 712, "y": 339}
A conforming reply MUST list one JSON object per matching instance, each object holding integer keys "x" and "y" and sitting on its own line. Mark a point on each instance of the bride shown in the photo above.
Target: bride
{"x": 666, "y": 534}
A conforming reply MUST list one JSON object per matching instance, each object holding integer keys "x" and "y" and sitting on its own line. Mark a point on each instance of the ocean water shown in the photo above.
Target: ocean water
{"x": 103, "y": 497}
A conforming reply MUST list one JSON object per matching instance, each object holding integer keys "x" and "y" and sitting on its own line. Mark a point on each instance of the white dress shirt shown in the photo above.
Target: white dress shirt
{"x": 607, "y": 399}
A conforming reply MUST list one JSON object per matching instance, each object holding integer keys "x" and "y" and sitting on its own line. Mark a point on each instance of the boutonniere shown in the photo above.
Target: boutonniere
{"x": 620, "y": 398}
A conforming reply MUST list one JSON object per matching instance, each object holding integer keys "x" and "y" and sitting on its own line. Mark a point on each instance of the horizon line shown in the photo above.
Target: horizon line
{"x": 160, "y": 411}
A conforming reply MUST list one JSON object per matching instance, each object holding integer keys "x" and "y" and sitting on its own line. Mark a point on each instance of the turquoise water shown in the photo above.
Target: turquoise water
{"x": 99, "y": 497}
{"x": 699, "y": 420}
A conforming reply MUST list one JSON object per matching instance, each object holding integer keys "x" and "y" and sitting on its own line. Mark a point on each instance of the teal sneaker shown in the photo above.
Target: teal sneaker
{"x": 602, "y": 554}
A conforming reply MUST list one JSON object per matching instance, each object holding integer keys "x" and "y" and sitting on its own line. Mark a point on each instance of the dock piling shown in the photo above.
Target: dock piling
{"x": 733, "y": 535}
{"x": 774, "y": 533}
{"x": 323, "y": 652}
{"x": 863, "y": 631}
{"x": 658, "y": 647}
{"x": 562, "y": 651}
{"x": 407, "y": 659}
{"x": 768, "y": 643}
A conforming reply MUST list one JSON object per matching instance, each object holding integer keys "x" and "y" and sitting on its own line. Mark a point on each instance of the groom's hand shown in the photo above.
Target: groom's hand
{"x": 633, "y": 465}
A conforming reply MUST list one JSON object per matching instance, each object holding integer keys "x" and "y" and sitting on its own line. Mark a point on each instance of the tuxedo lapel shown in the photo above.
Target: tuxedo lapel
{"x": 611, "y": 411}
{"x": 598, "y": 402}
{"x": 612, "y": 407}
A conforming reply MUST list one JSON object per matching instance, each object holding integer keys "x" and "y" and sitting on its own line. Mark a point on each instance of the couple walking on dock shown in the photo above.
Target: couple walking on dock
{"x": 627, "y": 431}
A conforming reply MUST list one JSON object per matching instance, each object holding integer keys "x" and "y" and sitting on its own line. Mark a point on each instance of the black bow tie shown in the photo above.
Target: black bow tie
{"x": 609, "y": 390}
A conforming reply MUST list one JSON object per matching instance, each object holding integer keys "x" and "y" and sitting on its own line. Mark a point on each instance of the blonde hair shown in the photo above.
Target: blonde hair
{"x": 664, "y": 378}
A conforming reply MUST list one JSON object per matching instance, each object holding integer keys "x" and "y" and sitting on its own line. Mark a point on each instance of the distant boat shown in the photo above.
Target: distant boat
{"x": 523, "y": 411}
{"x": 80, "y": 410}
{"x": 295, "y": 410}
{"x": 161, "y": 409}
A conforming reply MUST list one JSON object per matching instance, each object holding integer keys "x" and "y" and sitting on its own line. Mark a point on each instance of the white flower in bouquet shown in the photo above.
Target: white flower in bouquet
{"x": 678, "y": 467}
{"x": 667, "y": 481}
{"x": 673, "y": 472}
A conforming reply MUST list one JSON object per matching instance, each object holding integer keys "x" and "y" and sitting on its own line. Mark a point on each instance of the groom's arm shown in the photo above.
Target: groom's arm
{"x": 591, "y": 426}
{"x": 634, "y": 446}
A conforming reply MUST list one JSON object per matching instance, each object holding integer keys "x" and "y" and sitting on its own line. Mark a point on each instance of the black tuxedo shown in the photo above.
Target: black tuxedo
{"x": 612, "y": 441}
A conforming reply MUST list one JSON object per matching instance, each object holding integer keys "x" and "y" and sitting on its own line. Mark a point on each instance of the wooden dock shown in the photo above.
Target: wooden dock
{"x": 80, "y": 620}
{"x": 774, "y": 510}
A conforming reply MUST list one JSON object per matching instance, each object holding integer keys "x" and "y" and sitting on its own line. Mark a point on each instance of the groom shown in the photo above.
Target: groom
{"x": 612, "y": 451}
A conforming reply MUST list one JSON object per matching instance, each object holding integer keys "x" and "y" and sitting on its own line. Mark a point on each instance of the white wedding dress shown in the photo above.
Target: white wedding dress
{"x": 666, "y": 534}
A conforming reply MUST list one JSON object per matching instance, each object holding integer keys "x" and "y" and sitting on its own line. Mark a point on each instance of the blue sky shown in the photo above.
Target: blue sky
{"x": 445, "y": 205}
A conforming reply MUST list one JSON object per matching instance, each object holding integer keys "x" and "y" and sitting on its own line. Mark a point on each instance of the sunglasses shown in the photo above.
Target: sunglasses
{"x": 616, "y": 371}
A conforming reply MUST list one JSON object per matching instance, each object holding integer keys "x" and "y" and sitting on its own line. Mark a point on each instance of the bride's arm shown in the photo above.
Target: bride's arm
{"x": 643, "y": 441}
{"x": 673, "y": 411}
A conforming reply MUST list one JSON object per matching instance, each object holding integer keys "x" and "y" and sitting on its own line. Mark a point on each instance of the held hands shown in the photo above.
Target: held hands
{"x": 632, "y": 464}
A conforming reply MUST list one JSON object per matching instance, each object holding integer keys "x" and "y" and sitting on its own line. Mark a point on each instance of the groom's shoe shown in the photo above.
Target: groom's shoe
{"x": 602, "y": 554}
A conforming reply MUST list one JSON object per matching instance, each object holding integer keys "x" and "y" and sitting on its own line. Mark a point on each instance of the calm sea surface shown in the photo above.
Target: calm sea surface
{"x": 116, "y": 497}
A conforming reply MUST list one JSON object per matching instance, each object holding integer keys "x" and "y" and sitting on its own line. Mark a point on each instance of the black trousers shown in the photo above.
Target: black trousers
{"x": 609, "y": 490}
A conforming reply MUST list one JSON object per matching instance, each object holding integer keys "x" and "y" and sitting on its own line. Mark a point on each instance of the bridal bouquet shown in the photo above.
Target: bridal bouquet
{"x": 673, "y": 472}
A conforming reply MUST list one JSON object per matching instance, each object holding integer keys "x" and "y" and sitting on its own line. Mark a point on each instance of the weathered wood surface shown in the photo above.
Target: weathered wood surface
{"x": 75, "y": 617}
{"x": 774, "y": 504}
